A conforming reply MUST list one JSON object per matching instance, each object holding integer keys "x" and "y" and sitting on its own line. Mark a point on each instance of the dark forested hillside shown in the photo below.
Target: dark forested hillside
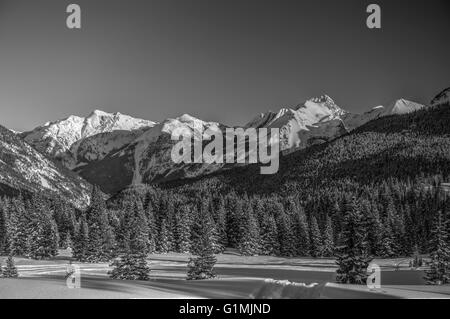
{"x": 387, "y": 173}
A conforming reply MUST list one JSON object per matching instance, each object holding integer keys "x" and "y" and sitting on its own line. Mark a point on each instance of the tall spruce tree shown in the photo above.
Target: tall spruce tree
{"x": 81, "y": 239}
{"x": 301, "y": 234}
{"x": 202, "y": 266}
{"x": 43, "y": 236}
{"x": 439, "y": 272}
{"x": 352, "y": 252}
{"x": 285, "y": 236}
{"x": 101, "y": 244}
{"x": 315, "y": 238}
{"x": 269, "y": 236}
{"x": 152, "y": 230}
{"x": 327, "y": 239}
{"x": 3, "y": 229}
{"x": 183, "y": 230}
{"x": 163, "y": 245}
{"x": 18, "y": 227}
{"x": 387, "y": 245}
{"x": 249, "y": 240}
{"x": 132, "y": 261}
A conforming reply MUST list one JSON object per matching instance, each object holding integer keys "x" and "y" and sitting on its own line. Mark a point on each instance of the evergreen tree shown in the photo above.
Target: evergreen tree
{"x": 387, "y": 246}
{"x": 81, "y": 239}
{"x": 3, "y": 230}
{"x": 202, "y": 267}
{"x": 163, "y": 238}
{"x": 249, "y": 240}
{"x": 132, "y": 262}
{"x": 221, "y": 224}
{"x": 352, "y": 257}
{"x": 315, "y": 238}
{"x": 327, "y": 239}
{"x": 439, "y": 272}
{"x": 152, "y": 230}
{"x": 43, "y": 236}
{"x": 285, "y": 236}
{"x": 183, "y": 230}
{"x": 269, "y": 236}
{"x": 18, "y": 228}
{"x": 301, "y": 234}
{"x": 10, "y": 270}
{"x": 101, "y": 244}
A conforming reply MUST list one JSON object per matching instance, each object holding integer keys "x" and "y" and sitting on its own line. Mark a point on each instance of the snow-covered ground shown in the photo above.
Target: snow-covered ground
{"x": 238, "y": 277}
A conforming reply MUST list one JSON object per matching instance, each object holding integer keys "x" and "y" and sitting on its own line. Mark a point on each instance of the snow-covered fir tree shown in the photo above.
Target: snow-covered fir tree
{"x": 269, "y": 236}
{"x": 132, "y": 261}
{"x": 43, "y": 232}
{"x": 352, "y": 252}
{"x": 3, "y": 229}
{"x": 439, "y": 272}
{"x": 315, "y": 238}
{"x": 202, "y": 266}
{"x": 248, "y": 244}
{"x": 81, "y": 239}
{"x": 18, "y": 228}
{"x": 301, "y": 230}
{"x": 10, "y": 270}
{"x": 327, "y": 239}
{"x": 101, "y": 244}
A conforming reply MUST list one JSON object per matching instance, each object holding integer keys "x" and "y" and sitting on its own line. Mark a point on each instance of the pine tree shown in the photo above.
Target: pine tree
{"x": 352, "y": 257}
{"x": 132, "y": 262}
{"x": 249, "y": 239}
{"x": 81, "y": 239}
{"x": 18, "y": 228}
{"x": 269, "y": 236}
{"x": 3, "y": 230}
{"x": 183, "y": 230}
{"x": 221, "y": 224}
{"x": 202, "y": 267}
{"x": 285, "y": 236}
{"x": 152, "y": 230}
{"x": 327, "y": 239}
{"x": 439, "y": 272}
{"x": 315, "y": 238}
{"x": 387, "y": 246}
{"x": 301, "y": 234}
{"x": 101, "y": 242}
{"x": 373, "y": 225}
{"x": 43, "y": 236}
{"x": 10, "y": 270}
{"x": 163, "y": 238}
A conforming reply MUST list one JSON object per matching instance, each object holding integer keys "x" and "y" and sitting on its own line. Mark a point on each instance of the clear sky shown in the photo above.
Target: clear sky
{"x": 218, "y": 60}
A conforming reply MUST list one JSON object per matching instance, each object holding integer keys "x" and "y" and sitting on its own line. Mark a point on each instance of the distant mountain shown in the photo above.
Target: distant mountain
{"x": 116, "y": 150}
{"x": 320, "y": 120}
{"x": 22, "y": 168}
{"x": 56, "y": 138}
{"x": 147, "y": 159}
{"x": 317, "y": 118}
{"x": 405, "y": 147}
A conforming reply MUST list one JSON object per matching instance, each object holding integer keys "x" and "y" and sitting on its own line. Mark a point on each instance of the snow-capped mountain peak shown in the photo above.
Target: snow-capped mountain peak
{"x": 403, "y": 106}
{"x": 56, "y": 138}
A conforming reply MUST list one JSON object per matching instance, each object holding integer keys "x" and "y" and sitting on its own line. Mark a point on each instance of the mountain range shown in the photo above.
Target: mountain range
{"x": 115, "y": 151}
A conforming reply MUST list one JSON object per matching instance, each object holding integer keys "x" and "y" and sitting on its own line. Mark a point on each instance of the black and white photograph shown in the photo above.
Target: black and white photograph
{"x": 224, "y": 149}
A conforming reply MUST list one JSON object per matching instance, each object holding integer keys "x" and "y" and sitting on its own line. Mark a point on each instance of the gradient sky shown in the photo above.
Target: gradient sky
{"x": 218, "y": 60}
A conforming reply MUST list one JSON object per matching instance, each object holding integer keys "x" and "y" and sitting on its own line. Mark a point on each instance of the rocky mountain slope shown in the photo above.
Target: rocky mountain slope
{"x": 22, "y": 168}
{"x": 60, "y": 138}
{"x": 442, "y": 98}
